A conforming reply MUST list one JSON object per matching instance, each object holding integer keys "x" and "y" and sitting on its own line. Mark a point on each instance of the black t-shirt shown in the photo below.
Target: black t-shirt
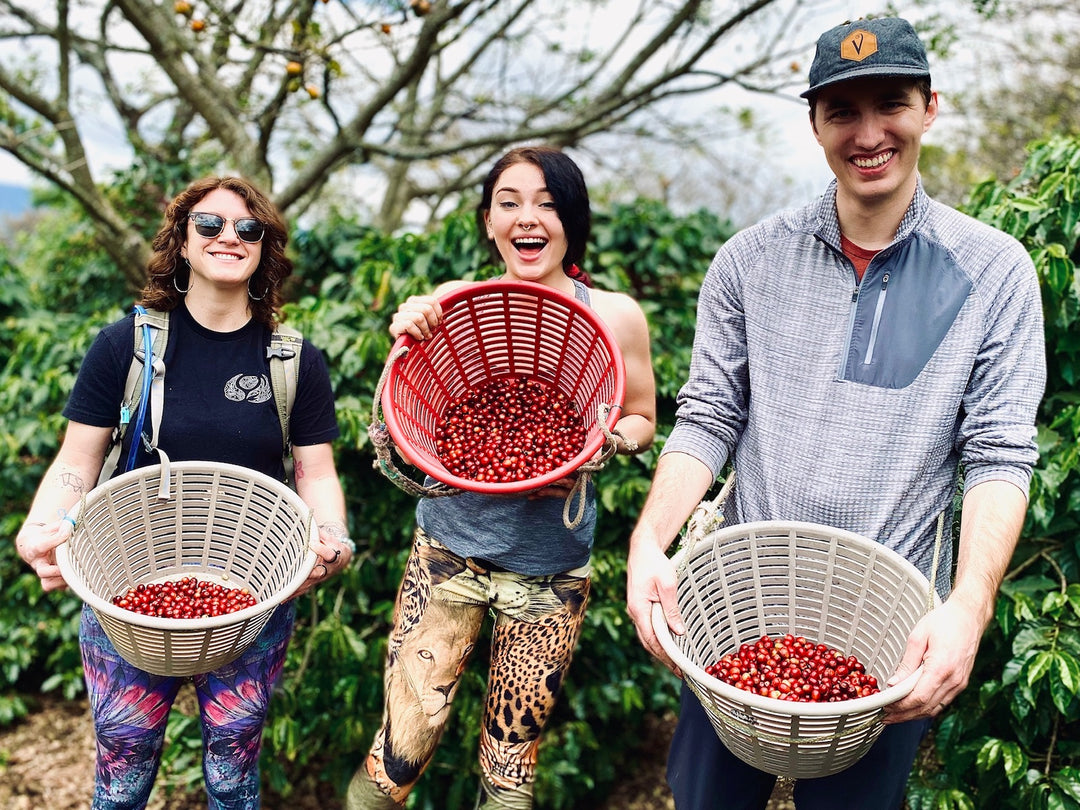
{"x": 219, "y": 404}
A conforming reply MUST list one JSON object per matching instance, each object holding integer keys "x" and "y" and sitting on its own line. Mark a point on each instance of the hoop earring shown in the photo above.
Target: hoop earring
{"x": 177, "y": 286}
{"x": 259, "y": 298}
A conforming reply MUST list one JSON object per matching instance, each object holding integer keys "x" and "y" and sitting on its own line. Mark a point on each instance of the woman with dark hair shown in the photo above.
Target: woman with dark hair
{"x": 217, "y": 269}
{"x": 511, "y": 555}
{"x": 569, "y": 195}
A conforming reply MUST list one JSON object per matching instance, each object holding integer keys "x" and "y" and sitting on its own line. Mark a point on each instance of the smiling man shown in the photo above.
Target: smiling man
{"x": 850, "y": 358}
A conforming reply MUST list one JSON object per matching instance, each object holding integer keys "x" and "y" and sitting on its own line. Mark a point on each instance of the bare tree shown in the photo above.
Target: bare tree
{"x": 409, "y": 99}
{"x": 1019, "y": 62}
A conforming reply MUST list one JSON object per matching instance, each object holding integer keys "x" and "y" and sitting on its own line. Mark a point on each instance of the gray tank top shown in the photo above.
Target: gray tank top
{"x": 515, "y": 533}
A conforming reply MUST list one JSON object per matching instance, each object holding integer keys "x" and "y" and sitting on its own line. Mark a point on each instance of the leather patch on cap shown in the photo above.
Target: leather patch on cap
{"x": 858, "y": 45}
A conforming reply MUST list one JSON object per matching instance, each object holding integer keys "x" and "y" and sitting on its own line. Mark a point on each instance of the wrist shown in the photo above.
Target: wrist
{"x": 31, "y": 524}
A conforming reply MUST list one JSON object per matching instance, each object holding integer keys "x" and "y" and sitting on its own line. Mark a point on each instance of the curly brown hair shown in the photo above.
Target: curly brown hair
{"x": 167, "y": 266}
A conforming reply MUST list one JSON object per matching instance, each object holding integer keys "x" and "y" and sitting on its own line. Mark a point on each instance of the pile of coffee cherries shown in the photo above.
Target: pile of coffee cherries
{"x": 791, "y": 667}
{"x": 185, "y": 598}
{"x": 509, "y": 429}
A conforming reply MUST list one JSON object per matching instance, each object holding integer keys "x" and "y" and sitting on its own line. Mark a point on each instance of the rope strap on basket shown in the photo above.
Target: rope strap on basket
{"x": 586, "y": 470}
{"x": 382, "y": 442}
{"x": 934, "y": 564}
{"x": 384, "y": 463}
{"x": 704, "y": 519}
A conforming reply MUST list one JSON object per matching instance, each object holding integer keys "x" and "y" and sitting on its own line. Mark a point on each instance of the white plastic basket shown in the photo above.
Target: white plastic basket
{"x": 741, "y": 582}
{"x": 218, "y": 522}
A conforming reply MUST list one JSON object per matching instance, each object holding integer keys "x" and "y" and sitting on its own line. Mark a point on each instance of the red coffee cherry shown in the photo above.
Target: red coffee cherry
{"x": 184, "y": 598}
{"x": 792, "y": 667}
{"x": 510, "y": 429}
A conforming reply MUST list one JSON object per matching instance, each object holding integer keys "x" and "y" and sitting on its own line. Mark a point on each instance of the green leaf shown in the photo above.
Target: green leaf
{"x": 1039, "y": 666}
{"x": 989, "y": 755}
{"x": 1068, "y": 671}
{"x": 1026, "y": 204}
{"x": 1067, "y": 781}
{"x": 1015, "y": 761}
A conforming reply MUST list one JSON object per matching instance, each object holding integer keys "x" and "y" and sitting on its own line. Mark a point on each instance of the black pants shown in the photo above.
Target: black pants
{"x": 705, "y": 775}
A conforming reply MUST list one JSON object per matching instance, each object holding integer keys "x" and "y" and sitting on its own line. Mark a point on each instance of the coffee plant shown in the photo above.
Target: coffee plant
{"x": 1012, "y": 739}
{"x": 349, "y": 280}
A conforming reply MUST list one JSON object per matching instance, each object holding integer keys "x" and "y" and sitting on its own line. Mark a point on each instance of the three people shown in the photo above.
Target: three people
{"x": 511, "y": 555}
{"x": 849, "y": 359}
{"x": 217, "y": 268}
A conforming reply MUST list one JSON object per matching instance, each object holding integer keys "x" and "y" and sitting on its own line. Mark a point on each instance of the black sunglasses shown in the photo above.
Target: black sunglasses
{"x": 210, "y": 225}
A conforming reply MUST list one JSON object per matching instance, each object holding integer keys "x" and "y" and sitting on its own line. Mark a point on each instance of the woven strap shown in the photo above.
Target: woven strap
{"x": 586, "y": 470}
{"x": 706, "y": 516}
{"x": 284, "y": 355}
{"x": 157, "y": 407}
{"x": 933, "y": 568}
{"x": 158, "y": 324}
{"x": 383, "y": 443}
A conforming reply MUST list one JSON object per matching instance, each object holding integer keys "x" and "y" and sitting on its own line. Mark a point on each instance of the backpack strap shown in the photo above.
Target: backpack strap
{"x": 157, "y": 324}
{"x": 284, "y": 355}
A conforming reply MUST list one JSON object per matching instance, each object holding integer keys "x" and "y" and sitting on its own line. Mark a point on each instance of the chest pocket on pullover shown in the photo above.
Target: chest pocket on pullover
{"x": 902, "y": 314}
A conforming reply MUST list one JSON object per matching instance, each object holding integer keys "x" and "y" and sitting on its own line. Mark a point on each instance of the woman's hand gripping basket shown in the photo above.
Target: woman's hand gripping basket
{"x": 217, "y": 522}
{"x": 739, "y": 583}
{"x": 498, "y": 330}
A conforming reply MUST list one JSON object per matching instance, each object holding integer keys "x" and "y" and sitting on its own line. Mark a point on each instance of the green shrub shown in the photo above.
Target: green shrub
{"x": 1012, "y": 739}
{"x": 349, "y": 281}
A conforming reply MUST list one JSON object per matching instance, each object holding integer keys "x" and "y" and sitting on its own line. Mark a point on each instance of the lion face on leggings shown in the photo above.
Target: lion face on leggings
{"x": 429, "y": 665}
{"x": 425, "y": 665}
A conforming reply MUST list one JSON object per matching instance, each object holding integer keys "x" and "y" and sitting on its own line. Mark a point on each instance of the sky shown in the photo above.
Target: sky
{"x": 793, "y": 136}
{"x": 13, "y": 172}
{"x": 793, "y": 150}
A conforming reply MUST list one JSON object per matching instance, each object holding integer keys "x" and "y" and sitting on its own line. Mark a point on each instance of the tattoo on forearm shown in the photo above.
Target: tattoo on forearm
{"x": 298, "y": 470}
{"x": 334, "y": 529}
{"x": 72, "y": 481}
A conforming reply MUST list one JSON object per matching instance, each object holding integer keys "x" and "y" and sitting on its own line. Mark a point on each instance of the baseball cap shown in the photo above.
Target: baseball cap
{"x": 886, "y": 46}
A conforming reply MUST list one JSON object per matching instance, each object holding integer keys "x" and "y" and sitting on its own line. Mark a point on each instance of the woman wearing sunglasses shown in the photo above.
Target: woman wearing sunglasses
{"x": 217, "y": 268}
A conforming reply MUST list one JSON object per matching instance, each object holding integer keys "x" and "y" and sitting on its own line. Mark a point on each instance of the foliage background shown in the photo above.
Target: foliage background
{"x": 1011, "y": 741}
{"x": 351, "y": 280}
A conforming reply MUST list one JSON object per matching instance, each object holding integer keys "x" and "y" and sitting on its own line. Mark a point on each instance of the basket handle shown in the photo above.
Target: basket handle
{"x": 382, "y": 442}
{"x": 706, "y": 516}
{"x": 586, "y": 470}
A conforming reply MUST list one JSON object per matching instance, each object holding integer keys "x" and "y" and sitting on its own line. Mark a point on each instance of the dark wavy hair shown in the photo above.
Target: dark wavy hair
{"x": 565, "y": 183}
{"x": 167, "y": 266}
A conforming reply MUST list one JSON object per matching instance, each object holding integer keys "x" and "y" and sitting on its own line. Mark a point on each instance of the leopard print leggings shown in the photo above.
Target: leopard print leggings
{"x": 440, "y": 610}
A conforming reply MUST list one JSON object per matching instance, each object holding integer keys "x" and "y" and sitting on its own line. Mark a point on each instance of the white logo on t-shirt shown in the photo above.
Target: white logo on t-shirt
{"x": 248, "y": 387}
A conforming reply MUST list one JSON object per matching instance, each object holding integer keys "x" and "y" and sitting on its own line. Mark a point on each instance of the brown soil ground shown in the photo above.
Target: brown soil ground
{"x": 47, "y": 763}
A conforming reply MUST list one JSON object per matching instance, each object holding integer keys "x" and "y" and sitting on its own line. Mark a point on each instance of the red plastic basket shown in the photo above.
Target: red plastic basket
{"x": 493, "y": 330}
